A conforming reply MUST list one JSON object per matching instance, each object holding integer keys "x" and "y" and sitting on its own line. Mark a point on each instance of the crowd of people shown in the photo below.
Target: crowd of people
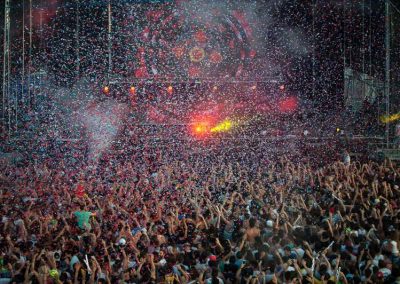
{"x": 239, "y": 216}
{"x": 152, "y": 204}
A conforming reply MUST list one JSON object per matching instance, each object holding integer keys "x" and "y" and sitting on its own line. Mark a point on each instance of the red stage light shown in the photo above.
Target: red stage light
{"x": 215, "y": 57}
{"x": 288, "y": 104}
{"x": 194, "y": 71}
{"x": 141, "y": 72}
{"x": 200, "y": 36}
{"x": 252, "y": 53}
{"x": 179, "y": 51}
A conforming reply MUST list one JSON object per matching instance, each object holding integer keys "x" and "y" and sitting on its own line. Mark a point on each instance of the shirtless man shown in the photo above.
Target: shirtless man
{"x": 253, "y": 231}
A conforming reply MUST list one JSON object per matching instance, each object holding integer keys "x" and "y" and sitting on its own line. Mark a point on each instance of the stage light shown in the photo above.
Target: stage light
{"x": 201, "y": 128}
{"x": 201, "y": 125}
{"x": 223, "y": 126}
{"x": 200, "y": 36}
{"x": 215, "y": 57}
{"x": 170, "y": 89}
{"x": 337, "y": 129}
{"x": 197, "y": 54}
{"x": 132, "y": 90}
{"x": 106, "y": 90}
{"x": 179, "y": 51}
{"x": 288, "y": 105}
{"x": 390, "y": 118}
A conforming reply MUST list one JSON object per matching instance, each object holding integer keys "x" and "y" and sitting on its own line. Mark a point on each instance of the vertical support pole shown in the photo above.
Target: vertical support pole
{"x": 109, "y": 40}
{"x": 364, "y": 86}
{"x": 313, "y": 48}
{"x": 23, "y": 70}
{"x": 363, "y": 39}
{"x": 3, "y": 93}
{"x": 6, "y": 108}
{"x": 29, "y": 97}
{"x": 78, "y": 59}
{"x": 9, "y": 104}
{"x": 344, "y": 46}
{"x": 23, "y": 53}
{"x": 41, "y": 56}
{"x": 387, "y": 67}
{"x": 351, "y": 42}
{"x": 370, "y": 37}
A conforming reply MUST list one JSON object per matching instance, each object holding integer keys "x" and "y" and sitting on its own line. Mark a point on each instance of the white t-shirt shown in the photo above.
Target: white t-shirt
{"x": 385, "y": 271}
{"x": 300, "y": 252}
{"x": 395, "y": 250}
{"x": 346, "y": 159}
{"x": 376, "y": 260}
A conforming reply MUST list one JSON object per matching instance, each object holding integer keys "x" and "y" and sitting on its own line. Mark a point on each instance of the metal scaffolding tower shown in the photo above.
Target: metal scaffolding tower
{"x": 366, "y": 74}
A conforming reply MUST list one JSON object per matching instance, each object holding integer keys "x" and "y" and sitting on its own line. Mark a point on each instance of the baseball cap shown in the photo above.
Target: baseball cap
{"x": 213, "y": 258}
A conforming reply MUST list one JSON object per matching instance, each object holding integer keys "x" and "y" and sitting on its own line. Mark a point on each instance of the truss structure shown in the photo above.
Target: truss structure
{"x": 6, "y": 107}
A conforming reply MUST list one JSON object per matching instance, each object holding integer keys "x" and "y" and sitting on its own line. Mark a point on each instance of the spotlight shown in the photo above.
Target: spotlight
{"x": 132, "y": 90}
{"x": 201, "y": 128}
{"x": 106, "y": 90}
{"x": 288, "y": 105}
{"x": 223, "y": 126}
{"x": 339, "y": 131}
{"x": 170, "y": 90}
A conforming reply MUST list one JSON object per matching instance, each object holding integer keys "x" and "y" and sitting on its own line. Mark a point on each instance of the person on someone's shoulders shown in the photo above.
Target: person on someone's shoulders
{"x": 83, "y": 217}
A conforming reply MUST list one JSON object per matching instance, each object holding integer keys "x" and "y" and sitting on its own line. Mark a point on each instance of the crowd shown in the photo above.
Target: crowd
{"x": 235, "y": 217}
{"x": 154, "y": 205}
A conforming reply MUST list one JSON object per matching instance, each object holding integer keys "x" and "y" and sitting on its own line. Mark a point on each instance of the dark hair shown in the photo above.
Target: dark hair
{"x": 252, "y": 222}
{"x": 214, "y": 276}
{"x": 19, "y": 278}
